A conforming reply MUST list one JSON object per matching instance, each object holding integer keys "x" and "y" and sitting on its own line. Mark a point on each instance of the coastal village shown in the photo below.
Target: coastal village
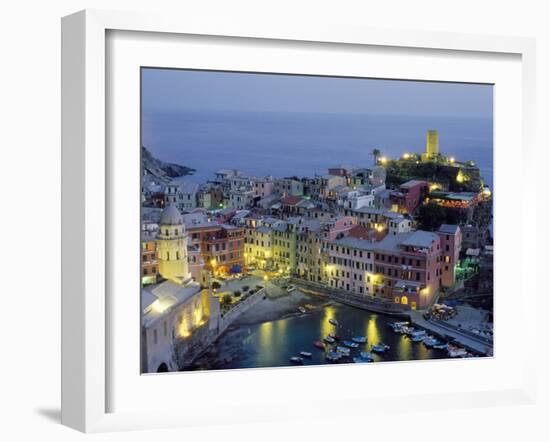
{"x": 408, "y": 237}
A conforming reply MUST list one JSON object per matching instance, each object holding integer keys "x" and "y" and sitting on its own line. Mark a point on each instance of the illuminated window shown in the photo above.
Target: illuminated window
{"x": 404, "y": 300}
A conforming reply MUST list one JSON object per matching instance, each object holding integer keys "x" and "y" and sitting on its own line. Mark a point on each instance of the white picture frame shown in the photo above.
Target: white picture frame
{"x": 86, "y": 352}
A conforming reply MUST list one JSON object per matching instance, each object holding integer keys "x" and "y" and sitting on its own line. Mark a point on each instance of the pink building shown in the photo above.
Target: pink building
{"x": 196, "y": 263}
{"x": 409, "y": 196}
{"x": 407, "y": 267}
{"x": 337, "y": 227}
{"x": 451, "y": 241}
{"x": 411, "y": 267}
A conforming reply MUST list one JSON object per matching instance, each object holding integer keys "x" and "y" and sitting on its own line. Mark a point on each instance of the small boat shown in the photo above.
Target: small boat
{"x": 397, "y": 326}
{"x": 362, "y": 361}
{"x": 457, "y": 352}
{"x": 430, "y": 342}
{"x": 333, "y": 356}
{"x": 365, "y": 355}
{"x": 359, "y": 339}
{"x": 290, "y": 288}
{"x": 335, "y": 337}
{"x": 296, "y": 360}
{"x": 306, "y": 354}
{"x": 440, "y": 346}
{"x": 329, "y": 339}
{"x": 405, "y": 330}
{"x": 378, "y": 348}
{"x": 302, "y": 309}
{"x": 350, "y": 344}
{"x": 344, "y": 350}
{"x": 417, "y": 335}
{"x": 319, "y": 345}
{"x": 333, "y": 321}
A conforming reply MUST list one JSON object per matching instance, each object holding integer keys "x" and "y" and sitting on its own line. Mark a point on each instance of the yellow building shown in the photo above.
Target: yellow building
{"x": 172, "y": 242}
{"x": 432, "y": 146}
{"x": 258, "y": 246}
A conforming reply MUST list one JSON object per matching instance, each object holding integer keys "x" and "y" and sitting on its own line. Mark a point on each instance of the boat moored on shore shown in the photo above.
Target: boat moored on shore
{"x": 329, "y": 339}
{"x": 359, "y": 339}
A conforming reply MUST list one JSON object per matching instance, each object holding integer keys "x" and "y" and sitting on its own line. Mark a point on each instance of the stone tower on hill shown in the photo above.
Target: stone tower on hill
{"x": 432, "y": 146}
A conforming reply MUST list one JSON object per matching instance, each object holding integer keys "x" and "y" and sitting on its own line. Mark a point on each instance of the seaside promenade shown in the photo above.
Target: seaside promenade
{"x": 466, "y": 338}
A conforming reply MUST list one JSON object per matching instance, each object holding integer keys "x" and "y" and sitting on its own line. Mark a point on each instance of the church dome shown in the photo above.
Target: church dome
{"x": 171, "y": 216}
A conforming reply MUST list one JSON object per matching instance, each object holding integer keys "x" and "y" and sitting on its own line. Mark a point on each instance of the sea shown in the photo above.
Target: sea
{"x": 304, "y": 144}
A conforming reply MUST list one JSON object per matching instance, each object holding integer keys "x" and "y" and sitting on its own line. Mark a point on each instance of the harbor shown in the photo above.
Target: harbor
{"x": 328, "y": 332}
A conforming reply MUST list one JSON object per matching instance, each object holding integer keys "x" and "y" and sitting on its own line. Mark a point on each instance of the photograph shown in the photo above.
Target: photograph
{"x": 300, "y": 220}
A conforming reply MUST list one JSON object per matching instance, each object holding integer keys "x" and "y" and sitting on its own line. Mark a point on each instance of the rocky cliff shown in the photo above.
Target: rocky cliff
{"x": 161, "y": 170}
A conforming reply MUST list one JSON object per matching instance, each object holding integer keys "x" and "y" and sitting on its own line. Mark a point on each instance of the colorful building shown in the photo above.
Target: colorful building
{"x": 349, "y": 265}
{"x": 149, "y": 264}
{"x": 407, "y": 268}
{"x": 451, "y": 241}
{"x": 258, "y": 246}
{"x": 223, "y": 248}
{"x": 409, "y": 196}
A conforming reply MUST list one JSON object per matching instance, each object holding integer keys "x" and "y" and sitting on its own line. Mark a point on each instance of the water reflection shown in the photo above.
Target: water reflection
{"x": 271, "y": 344}
{"x": 266, "y": 334}
{"x": 404, "y": 349}
{"x": 373, "y": 335}
{"x": 326, "y": 327}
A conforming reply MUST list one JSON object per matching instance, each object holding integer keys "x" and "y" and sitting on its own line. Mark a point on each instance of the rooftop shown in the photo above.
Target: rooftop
{"x": 371, "y": 210}
{"x": 291, "y": 200}
{"x": 356, "y": 243}
{"x": 420, "y": 238}
{"x": 450, "y": 229}
{"x": 264, "y": 229}
{"x": 184, "y": 185}
{"x": 412, "y": 183}
{"x": 157, "y": 299}
{"x": 171, "y": 216}
{"x": 391, "y": 243}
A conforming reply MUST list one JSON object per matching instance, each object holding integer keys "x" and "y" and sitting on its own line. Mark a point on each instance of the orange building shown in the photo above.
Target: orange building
{"x": 149, "y": 265}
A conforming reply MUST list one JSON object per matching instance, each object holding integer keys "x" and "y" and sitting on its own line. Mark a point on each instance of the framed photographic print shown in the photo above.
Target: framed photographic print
{"x": 254, "y": 211}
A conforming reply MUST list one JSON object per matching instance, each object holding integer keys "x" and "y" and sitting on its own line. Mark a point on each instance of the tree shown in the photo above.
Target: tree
{"x": 375, "y": 153}
{"x": 216, "y": 285}
{"x": 226, "y": 300}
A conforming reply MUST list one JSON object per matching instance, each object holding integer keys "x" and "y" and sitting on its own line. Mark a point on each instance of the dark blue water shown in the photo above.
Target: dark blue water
{"x": 282, "y": 144}
{"x": 271, "y": 344}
